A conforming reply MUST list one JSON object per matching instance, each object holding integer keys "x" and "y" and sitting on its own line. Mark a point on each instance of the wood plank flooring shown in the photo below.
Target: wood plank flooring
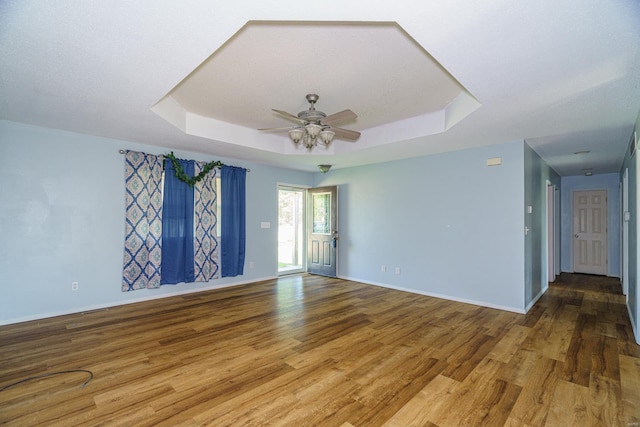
{"x": 314, "y": 351}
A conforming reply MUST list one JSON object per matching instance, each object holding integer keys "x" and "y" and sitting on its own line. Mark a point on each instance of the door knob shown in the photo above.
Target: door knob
{"x": 576, "y": 236}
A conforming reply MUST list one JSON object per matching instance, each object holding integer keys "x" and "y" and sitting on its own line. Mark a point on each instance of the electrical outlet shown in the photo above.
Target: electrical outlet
{"x": 74, "y": 286}
{"x": 383, "y": 268}
{"x": 251, "y": 264}
{"x": 397, "y": 270}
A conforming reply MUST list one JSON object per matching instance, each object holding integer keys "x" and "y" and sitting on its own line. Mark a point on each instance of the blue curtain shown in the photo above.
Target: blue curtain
{"x": 233, "y": 214}
{"x": 177, "y": 226}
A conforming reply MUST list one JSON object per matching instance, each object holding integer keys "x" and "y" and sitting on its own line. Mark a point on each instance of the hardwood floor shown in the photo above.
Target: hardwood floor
{"x": 307, "y": 351}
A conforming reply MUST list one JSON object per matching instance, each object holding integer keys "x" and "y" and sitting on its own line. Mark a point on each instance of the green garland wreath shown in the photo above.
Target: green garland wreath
{"x": 182, "y": 176}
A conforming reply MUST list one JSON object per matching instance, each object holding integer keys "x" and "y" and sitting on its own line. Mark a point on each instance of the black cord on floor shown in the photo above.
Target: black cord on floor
{"x": 37, "y": 377}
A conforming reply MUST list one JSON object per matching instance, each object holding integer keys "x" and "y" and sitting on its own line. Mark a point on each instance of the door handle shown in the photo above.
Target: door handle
{"x": 576, "y": 236}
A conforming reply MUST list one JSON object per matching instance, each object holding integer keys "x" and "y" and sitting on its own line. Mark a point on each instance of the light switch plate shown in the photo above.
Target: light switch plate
{"x": 265, "y": 225}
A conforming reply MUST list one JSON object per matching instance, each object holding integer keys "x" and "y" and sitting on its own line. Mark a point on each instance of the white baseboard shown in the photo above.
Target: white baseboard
{"x": 436, "y": 295}
{"x": 131, "y": 301}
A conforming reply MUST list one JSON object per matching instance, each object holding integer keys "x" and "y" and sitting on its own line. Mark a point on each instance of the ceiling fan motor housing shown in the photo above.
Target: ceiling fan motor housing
{"x": 312, "y": 115}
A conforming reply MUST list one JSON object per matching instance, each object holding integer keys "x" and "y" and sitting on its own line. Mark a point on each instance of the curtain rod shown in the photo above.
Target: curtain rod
{"x": 122, "y": 151}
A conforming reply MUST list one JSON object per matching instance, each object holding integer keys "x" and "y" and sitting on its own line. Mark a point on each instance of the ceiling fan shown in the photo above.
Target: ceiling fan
{"x": 314, "y": 125}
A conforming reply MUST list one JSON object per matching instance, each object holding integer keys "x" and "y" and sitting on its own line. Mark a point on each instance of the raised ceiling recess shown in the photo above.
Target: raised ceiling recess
{"x": 399, "y": 91}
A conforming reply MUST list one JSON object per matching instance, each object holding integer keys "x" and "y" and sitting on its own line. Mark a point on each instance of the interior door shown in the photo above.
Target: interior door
{"x": 590, "y": 232}
{"x": 322, "y": 231}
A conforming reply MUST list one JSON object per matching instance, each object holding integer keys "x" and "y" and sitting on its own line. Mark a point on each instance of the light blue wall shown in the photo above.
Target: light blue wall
{"x": 537, "y": 175}
{"x": 453, "y": 225}
{"x": 62, "y": 220}
{"x": 609, "y": 182}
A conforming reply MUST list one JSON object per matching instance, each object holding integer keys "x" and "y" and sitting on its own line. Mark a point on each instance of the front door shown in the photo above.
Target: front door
{"x": 590, "y": 232}
{"x": 322, "y": 231}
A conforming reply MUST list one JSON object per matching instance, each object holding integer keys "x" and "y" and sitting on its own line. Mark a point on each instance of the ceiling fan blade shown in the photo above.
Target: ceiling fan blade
{"x": 342, "y": 116}
{"x": 275, "y": 129}
{"x": 289, "y": 116}
{"x": 349, "y": 135}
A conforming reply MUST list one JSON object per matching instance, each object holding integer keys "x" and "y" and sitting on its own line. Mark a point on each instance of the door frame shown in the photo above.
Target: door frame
{"x": 625, "y": 234}
{"x": 303, "y": 244}
{"x": 551, "y": 232}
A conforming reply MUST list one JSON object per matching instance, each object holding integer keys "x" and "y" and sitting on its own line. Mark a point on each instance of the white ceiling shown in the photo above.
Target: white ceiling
{"x": 562, "y": 75}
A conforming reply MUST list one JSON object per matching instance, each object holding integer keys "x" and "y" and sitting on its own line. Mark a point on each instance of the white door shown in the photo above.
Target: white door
{"x": 590, "y": 232}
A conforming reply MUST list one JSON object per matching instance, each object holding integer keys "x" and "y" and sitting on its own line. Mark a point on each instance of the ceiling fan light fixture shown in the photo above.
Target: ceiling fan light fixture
{"x": 309, "y": 142}
{"x": 313, "y": 130}
{"x": 326, "y": 136}
{"x": 296, "y": 134}
{"x": 309, "y": 134}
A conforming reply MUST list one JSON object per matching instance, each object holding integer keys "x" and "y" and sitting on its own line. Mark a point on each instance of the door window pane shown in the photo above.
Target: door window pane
{"x": 322, "y": 213}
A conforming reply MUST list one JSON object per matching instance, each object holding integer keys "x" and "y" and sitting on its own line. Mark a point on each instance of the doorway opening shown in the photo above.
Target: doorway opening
{"x": 291, "y": 230}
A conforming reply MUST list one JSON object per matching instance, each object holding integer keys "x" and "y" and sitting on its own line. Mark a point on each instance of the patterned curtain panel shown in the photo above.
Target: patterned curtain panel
{"x": 205, "y": 241}
{"x": 143, "y": 223}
